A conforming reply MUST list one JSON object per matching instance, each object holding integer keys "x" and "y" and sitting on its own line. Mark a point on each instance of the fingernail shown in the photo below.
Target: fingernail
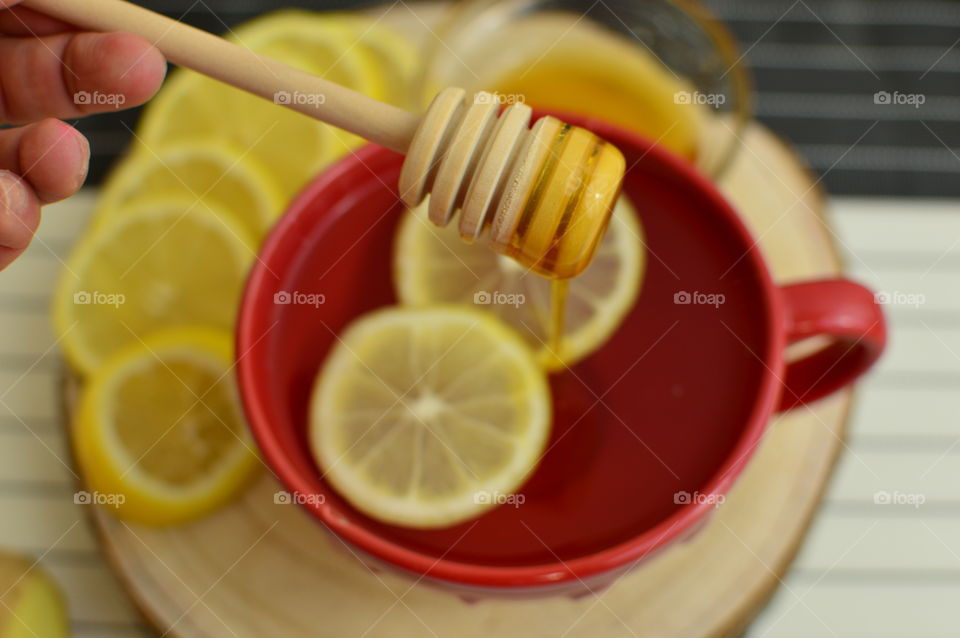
{"x": 13, "y": 193}
{"x": 84, "y": 146}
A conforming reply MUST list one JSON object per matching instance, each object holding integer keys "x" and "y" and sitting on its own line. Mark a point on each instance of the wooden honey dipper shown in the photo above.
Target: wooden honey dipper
{"x": 544, "y": 193}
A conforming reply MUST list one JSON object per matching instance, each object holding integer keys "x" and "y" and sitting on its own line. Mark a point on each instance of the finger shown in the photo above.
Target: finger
{"x": 51, "y": 155}
{"x": 22, "y": 21}
{"x": 74, "y": 74}
{"x": 19, "y": 216}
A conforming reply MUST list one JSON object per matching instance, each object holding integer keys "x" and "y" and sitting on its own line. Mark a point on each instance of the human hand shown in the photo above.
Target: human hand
{"x": 49, "y": 70}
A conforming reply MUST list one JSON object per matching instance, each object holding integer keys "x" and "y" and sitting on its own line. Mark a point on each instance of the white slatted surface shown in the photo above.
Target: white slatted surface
{"x": 891, "y": 571}
{"x": 36, "y": 483}
{"x": 866, "y": 570}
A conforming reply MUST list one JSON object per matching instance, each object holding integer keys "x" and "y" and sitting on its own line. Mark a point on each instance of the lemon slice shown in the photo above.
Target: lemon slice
{"x": 426, "y": 417}
{"x": 293, "y": 146}
{"x": 397, "y": 58}
{"x": 204, "y": 169}
{"x": 159, "y": 432}
{"x": 32, "y": 604}
{"x": 172, "y": 263}
{"x": 322, "y": 45}
{"x": 375, "y": 58}
{"x": 328, "y": 45}
{"x": 434, "y": 265}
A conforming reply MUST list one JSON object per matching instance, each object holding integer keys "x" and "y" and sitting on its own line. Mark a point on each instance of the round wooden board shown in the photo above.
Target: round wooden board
{"x": 257, "y": 568}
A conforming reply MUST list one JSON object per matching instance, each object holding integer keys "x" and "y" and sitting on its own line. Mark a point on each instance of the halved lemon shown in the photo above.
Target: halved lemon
{"x": 434, "y": 265}
{"x": 208, "y": 169}
{"x": 426, "y": 417}
{"x": 159, "y": 433}
{"x": 172, "y": 263}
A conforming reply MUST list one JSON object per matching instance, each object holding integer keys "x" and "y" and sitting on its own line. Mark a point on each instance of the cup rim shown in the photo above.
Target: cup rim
{"x": 273, "y": 261}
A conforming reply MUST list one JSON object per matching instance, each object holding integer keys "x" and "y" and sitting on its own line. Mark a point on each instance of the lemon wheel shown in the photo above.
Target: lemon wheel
{"x": 207, "y": 170}
{"x": 434, "y": 265}
{"x": 172, "y": 263}
{"x": 159, "y": 432}
{"x": 428, "y": 417}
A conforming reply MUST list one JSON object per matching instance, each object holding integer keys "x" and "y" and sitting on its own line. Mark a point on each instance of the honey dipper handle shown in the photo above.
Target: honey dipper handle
{"x": 217, "y": 58}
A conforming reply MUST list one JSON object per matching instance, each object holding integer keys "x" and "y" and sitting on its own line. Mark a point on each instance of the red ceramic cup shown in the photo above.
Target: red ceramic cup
{"x": 649, "y": 432}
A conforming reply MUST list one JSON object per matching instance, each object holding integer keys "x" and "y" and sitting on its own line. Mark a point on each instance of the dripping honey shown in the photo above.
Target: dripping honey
{"x": 558, "y": 303}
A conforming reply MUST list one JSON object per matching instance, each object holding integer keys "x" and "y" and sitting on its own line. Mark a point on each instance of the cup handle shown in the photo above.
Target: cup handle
{"x": 837, "y": 308}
